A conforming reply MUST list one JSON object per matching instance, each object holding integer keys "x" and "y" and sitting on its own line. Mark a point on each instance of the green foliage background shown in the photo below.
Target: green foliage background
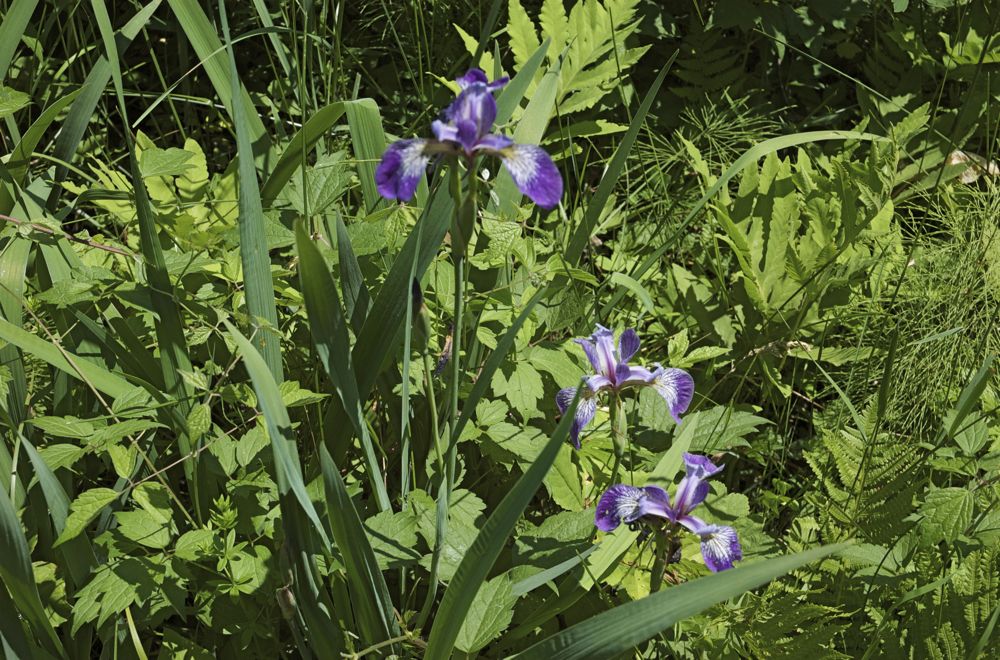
{"x": 222, "y": 416}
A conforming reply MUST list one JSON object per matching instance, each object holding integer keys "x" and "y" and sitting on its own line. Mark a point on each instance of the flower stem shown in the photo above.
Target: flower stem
{"x": 619, "y": 435}
{"x": 659, "y": 562}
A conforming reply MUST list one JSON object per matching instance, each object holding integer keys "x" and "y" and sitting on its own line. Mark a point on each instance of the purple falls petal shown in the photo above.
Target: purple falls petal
{"x": 401, "y": 169}
{"x": 628, "y": 344}
{"x": 585, "y": 411}
{"x": 720, "y": 547}
{"x": 625, "y": 504}
{"x": 676, "y": 387}
{"x": 534, "y": 173}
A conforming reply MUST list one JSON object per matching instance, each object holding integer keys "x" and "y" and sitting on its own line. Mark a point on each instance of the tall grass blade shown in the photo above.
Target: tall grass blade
{"x": 13, "y": 265}
{"x": 89, "y": 372}
{"x": 18, "y": 578}
{"x": 370, "y": 595}
{"x": 618, "y": 631}
{"x": 357, "y": 300}
{"x": 82, "y": 111}
{"x": 15, "y": 21}
{"x": 205, "y": 41}
{"x": 329, "y": 333}
{"x": 368, "y": 142}
{"x": 16, "y": 166}
{"x": 294, "y": 154}
{"x": 596, "y": 204}
{"x": 174, "y": 357}
{"x": 489, "y": 543}
{"x": 77, "y": 552}
{"x": 253, "y": 235}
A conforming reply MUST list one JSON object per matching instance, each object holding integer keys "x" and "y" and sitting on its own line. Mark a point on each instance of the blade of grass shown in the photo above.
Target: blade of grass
{"x": 174, "y": 357}
{"x": 253, "y": 235}
{"x": 370, "y": 595}
{"x": 82, "y": 111}
{"x": 77, "y": 552}
{"x": 292, "y": 157}
{"x": 205, "y": 41}
{"x": 530, "y": 130}
{"x": 489, "y": 543}
{"x": 13, "y": 265}
{"x": 299, "y": 517}
{"x": 13, "y": 641}
{"x": 329, "y": 333}
{"x": 357, "y": 300}
{"x": 15, "y": 21}
{"x": 620, "y": 630}
{"x": 368, "y": 142}
{"x": 85, "y": 370}
{"x": 279, "y": 428}
{"x": 596, "y": 204}
{"x": 513, "y": 92}
{"x": 18, "y": 577}
{"x": 17, "y": 165}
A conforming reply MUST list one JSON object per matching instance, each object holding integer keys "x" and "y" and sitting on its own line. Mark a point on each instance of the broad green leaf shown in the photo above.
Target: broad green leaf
{"x": 164, "y": 162}
{"x": 619, "y": 630}
{"x": 947, "y": 512}
{"x": 11, "y": 101}
{"x": 490, "y": 612}
{"x": 83, "y": 510}
{"x": 205, "y": 41}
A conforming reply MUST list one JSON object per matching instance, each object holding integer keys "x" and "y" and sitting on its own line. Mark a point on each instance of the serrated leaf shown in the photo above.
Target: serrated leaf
{"x": 393, "y": 537}
{"x": 11, "y": 101}
{"x": 947, "y": 512}
{"x": 142, "y": 528}
{"x": 563, "y": 481}
{"x": 490, "y": 612}
{"x": 164, "y": 162}
{"x": 83, "y": 510}
{"x": 65, "y": 427}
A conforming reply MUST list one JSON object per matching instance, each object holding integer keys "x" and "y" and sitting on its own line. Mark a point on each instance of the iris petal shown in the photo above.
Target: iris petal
{"x": 628, "y": 344}
{"x": 625, "y": 504}
{"x": 676, "y": 387}
{"x": 534, "y": 173}
{"x": 401, "y": 169}
{"x": 585, "y": 410}
{"x": 720, "y": 546}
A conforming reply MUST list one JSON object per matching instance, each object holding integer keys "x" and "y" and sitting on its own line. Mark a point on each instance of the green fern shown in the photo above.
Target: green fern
{"x": 594, "y": 60}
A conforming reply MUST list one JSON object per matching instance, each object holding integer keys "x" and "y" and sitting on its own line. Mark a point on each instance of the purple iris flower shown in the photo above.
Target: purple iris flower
{"x": 613, "y": 373}
{"x": 720, "y": 546}
{"x": 465, "y": 129}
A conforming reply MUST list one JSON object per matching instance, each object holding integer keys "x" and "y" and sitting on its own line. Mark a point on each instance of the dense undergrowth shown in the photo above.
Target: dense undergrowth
{"x": 252, "y": 408}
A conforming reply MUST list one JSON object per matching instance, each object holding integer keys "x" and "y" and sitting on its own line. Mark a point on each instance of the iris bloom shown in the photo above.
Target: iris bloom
{"x": 465, "y": 129}
{"x": 613, "y": 373}
{"x": 621, "y": 503}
